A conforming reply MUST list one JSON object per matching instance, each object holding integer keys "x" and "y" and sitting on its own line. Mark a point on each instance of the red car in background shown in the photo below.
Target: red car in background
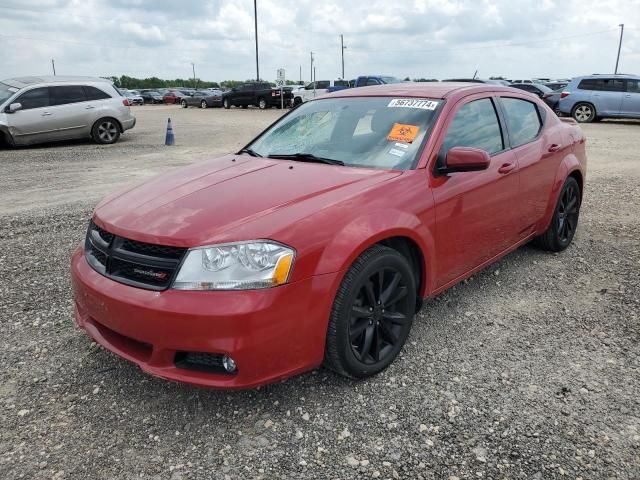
{"x": 173, "y": 96}
{"x": 317, "y": 242}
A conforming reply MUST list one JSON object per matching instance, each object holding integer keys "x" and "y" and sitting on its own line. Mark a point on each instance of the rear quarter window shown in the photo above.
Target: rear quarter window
{"x": 94, "y": 93}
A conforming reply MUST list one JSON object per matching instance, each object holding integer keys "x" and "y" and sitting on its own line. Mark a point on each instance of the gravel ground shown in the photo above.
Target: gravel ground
{"x": 528, "y": 370}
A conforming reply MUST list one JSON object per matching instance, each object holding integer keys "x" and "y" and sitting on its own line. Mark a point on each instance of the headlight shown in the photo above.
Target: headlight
{"x": 235, "y": 266}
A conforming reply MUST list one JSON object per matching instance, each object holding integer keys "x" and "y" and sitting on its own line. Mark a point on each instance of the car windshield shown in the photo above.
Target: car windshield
{"x": 6, "y": 91}
{"x": 391, "y": 80}
{"x": 544, "y": 88}
{"x": 371, "y": 132}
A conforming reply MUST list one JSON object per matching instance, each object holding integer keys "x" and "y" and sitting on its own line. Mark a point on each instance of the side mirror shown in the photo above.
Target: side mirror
{"x": 466, "y": 159}
{"x": 14, "y": 107}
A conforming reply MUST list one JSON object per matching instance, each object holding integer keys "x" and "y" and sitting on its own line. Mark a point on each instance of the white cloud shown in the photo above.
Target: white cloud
{"x": 430, "y": 38}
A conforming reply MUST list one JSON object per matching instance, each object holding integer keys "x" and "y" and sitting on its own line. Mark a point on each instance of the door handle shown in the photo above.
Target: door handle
{"x": 628, "y": 95}
{"x": 89, "y": 107}
{"x": 506, "y": 167}
{"x": 46, "y": 114}
{"x": 554, "y": 148}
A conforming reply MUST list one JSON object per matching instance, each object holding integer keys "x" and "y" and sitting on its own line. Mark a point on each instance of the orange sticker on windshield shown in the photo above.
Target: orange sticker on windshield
{"x": 403, "y": 133}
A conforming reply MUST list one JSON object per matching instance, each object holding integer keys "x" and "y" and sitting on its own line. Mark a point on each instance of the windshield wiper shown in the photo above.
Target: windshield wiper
{"x": 306, "y": 157}
{"x": 248, "y": 151}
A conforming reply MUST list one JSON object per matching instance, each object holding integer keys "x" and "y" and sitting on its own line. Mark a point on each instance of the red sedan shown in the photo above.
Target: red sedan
{"x": 173, "y": 96}
{"x": 317, "y": 242}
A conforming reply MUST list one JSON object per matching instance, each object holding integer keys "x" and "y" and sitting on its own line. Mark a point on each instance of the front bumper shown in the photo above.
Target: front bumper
{"x": 271, "y": 334}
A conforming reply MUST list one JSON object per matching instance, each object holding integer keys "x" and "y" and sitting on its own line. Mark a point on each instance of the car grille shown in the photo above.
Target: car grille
{"x": 139, "y": 264}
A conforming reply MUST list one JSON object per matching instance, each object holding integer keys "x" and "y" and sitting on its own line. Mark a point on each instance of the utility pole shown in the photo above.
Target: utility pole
{"x": 342, "y": 47}
{"x": 193, "y": 67}
{"x": 619, "y": 47}
{"x": 311, "y": 69}
{"x": 300, "y": 74}
{"x": 53, "y": 66}
{"x": 255, "y": 19}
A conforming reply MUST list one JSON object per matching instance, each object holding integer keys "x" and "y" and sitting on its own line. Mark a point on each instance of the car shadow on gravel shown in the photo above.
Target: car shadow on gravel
{"x": 65, "y": 143}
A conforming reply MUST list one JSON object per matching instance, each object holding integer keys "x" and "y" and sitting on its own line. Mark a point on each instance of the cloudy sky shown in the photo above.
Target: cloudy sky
{"x": 415, "y": 38}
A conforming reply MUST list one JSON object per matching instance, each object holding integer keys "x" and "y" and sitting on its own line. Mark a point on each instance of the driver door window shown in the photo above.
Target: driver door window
{"x": 36, "y": 98}
{"x": 475, "y": 125}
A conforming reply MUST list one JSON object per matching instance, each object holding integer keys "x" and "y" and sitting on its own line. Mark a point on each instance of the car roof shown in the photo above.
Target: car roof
{"x": 21, "y": 82}
{"x": 421, "y": 89}
{"x": 607, "y": 75}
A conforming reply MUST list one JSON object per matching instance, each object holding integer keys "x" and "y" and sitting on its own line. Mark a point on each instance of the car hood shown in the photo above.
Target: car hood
{"x": 198, "y": 204}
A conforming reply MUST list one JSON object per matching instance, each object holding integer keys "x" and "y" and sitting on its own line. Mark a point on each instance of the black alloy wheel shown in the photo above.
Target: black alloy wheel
{"x": 564, "y": 223}
{"x": 372, "y": 313}
{"x": 568, "y": 209}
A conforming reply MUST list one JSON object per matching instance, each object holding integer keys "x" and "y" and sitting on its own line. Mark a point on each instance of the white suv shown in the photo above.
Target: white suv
{"x": 315, "y": 89}
{"x": 45, "y": 109}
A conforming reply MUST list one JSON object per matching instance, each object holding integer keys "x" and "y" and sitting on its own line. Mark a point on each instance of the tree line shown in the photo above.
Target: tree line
{"x": 133, "y": 83}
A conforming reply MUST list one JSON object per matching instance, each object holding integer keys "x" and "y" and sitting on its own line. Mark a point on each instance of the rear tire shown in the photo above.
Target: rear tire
{"x": 297, "y": 101}
{"x": 372, "y": 314}
{"x": 564, "y": 221}
{"x": 203, "y": 104}
{"x": 106, "y": 131}
{"x": 245, "y": 106}
{"x": 262, "y": 103}
{"x": 184, "y": 104}
{"x": 583, "y": 112}
{"x": 226, "y": 103}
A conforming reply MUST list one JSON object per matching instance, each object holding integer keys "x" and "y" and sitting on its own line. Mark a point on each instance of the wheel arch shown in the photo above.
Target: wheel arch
{"x": 569, "y": 167}
{"x": 395, "y": 229}
{"x": 5, "y": 136}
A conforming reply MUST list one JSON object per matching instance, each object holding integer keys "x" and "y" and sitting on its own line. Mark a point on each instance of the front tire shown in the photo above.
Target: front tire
{"x": 262, "y": 103}
{"x": 583, "y": 112}
{"x": 565, "y": 219}
{"x": 203, "y": 104}
{"x": 372, "y": 314}
{"x": 184, "y": 104}
{"x": 105, "y": 131}
{"x": 226, "y": 103}
{"x": 297, "y": 101}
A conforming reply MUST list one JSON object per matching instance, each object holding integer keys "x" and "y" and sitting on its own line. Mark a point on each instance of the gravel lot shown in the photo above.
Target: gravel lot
{"x": 530, "y": 369}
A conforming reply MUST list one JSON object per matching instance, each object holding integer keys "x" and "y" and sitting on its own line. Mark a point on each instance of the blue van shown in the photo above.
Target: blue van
{"x": 594, "y": 97}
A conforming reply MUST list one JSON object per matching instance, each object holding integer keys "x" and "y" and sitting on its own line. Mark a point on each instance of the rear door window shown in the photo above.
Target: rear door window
{"x": 614, "y": 85}
{"x": 523, "y": 120}
{"x": 36, "y": 98}
{"x": 372, "y": 81}
{"x": 633, "y": 86}
{"x": 475, "y": 125}
{"x": 66, "y": 94}
{"x": 322, "y": 84}
{"x": 603, "y": 84}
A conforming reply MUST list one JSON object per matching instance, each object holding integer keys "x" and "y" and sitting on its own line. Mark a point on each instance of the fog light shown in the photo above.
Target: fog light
{"x": 229, "y": 364}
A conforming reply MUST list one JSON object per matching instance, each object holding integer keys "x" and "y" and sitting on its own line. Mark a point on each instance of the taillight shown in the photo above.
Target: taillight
{"x": 564, "y": 94}
{"x": 274, "y": 93}
{"x": 125, "y": 102}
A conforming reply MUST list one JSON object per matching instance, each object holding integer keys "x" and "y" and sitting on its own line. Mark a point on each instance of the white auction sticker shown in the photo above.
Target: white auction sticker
{"x": 396, "y": 152}
{"x": 413, "y": 103}
{"x": 402, "y": 145}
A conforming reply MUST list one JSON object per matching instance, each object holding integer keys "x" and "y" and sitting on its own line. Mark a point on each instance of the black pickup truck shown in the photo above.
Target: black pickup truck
{"x": 260, "y": 94}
